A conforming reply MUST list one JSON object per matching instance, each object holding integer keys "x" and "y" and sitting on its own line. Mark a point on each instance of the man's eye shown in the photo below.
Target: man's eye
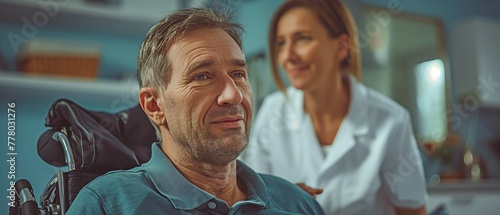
{"x": 239, "y": 74}
{"x": 200, "y": 77}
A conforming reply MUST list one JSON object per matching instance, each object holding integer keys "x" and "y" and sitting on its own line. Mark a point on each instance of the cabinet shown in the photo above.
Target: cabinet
{"x": 466, "y": 197}
{"x": 475, "y": 67}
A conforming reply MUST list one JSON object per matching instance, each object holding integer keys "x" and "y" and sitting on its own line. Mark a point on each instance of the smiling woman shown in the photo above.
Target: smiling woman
{"x": 327, "y": 130}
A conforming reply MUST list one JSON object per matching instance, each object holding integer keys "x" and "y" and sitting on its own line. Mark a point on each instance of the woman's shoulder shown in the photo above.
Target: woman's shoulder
{"x": 379, "y": 102}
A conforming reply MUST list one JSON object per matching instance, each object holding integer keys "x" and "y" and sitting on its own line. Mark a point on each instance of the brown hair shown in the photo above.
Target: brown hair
{"x": 335, "y": 17}
{"x": 154, "y": 69}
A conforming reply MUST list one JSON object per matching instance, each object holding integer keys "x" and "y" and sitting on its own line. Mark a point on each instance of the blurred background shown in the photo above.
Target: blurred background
{"x": 439, "y": 59}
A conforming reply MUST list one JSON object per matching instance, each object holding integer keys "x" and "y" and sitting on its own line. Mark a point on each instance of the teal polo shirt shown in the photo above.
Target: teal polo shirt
{"x": 157, "y": 187}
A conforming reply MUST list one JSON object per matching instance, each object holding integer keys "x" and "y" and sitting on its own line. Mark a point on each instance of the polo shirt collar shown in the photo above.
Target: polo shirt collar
{"x": 186, "y": 196}
{"x": 256, "y": 188}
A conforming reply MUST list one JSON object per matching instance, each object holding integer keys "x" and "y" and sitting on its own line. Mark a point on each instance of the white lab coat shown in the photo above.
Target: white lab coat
{"x": 373, "y": 163}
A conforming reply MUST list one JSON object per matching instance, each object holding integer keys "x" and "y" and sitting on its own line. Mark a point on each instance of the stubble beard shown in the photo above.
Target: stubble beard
{"x": 208, "y": 148}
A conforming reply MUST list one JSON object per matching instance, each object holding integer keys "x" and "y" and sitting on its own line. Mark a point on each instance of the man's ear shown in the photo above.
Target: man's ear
{"x": 344, "y": 47}
{"x": 150, "y": 103}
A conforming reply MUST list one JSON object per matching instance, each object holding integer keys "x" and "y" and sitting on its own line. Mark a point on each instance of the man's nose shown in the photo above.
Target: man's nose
{"x": 230, "y": 95}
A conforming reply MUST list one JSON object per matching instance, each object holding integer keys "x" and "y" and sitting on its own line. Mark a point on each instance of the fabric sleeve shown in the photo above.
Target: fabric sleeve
{"x": 87, "y": 202}
{"x": 402, "y": 169}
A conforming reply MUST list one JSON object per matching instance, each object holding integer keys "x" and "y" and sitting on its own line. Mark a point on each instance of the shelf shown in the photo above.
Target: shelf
{"x": 130, "y": 17}
{"x": 18, "y": 86}
{"x": 466, "y": 184}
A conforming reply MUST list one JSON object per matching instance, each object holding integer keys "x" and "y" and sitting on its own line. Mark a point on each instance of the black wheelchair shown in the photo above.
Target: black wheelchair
{"x": 89, "y": 144}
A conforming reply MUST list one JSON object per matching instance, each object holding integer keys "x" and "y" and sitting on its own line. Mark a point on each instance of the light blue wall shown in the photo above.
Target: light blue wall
{"x": 255, "y": 16}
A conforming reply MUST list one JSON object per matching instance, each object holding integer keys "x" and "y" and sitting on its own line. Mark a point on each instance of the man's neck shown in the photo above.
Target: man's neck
{"x": 219, "y": 180}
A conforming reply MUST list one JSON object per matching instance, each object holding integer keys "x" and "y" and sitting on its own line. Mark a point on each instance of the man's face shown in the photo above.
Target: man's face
{"x": 208, "y": 100}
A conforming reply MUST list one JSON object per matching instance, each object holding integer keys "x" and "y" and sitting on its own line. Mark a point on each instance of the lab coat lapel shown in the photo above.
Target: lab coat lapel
{"x": 303, "y": 128}
{"x": 343, "y": 143}
{"x": 353, "y": 128}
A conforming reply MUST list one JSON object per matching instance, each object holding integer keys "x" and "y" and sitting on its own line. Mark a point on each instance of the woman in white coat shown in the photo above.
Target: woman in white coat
{"x": 327, "y": 130}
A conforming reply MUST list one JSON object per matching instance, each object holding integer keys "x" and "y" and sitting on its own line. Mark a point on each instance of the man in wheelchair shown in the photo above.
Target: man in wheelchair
{"x": 195, "y": 90}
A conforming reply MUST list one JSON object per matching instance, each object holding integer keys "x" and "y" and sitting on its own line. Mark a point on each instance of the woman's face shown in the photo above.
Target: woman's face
{"x": 305, "y": 50}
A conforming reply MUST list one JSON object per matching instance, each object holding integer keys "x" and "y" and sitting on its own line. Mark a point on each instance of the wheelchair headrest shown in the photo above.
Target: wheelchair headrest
{"x": 99, "y": 140}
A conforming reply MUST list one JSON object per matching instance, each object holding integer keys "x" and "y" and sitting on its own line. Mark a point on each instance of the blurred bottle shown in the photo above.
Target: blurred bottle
{"x": 473, "y": 170}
